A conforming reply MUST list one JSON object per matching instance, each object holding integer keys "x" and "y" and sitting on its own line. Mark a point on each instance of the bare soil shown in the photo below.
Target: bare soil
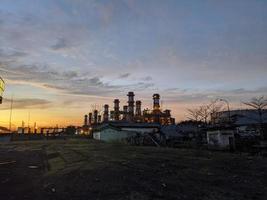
{"x": 86, "y": 169}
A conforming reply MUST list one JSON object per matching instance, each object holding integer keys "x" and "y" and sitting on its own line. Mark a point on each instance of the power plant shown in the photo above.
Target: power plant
{"x": 130, "y": 113}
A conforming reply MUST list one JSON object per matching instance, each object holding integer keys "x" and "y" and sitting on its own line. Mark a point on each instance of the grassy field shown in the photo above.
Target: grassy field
{"x": 82, "y": 169}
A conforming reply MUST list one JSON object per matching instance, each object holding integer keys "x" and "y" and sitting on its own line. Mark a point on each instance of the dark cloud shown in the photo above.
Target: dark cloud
{"x": 53, "y": 87}
{"x": 11, "y": 53}
{"x": 147, "y": 78}
{"x": 196, "y": 96}
{"x": 26, "y": 103}
{"x": 70, "y": 74}
{"x": 60, "y": 44}
{"x": 126, "y": 75}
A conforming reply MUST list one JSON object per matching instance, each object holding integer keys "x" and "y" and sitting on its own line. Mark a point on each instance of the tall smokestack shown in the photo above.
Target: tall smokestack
{"x": 95, "y": 116}
{"x": 106, "y": 112}
{"x": 85, "y": 120}
{"x": 125, "y": 112}
{"x": 131, "y": 105}
{"x": 99, "y": 118}
{"x": 156, "y": 98}
{"x": 167, "y": 113}
{"x": 138, "y": 108}
{"x": 90, "y": 121}
{"x": 116, "y": 109}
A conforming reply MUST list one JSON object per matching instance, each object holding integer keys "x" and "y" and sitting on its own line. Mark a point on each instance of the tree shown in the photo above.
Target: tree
{"x": 258, "y": 103}
{"x": 194, "y": 114}
{"x": 206, "y": 112}
{"x": 215, "y": 109}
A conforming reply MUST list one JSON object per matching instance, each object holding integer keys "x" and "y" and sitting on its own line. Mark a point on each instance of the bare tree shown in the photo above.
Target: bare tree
{"x": 206, "y": 112}
{"x": 258, "y": 103}
{"x": 214, "y": 109}
{"x": 194, "y": 114}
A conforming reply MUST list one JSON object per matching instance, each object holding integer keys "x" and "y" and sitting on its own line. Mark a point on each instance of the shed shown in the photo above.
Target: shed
{"x": 221, "y": 137}
{"x": 114, "y": 131}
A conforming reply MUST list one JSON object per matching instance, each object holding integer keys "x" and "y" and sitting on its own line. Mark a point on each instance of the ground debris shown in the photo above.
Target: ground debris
{"x": 8, "y": 162}
{"x": 33, "y": 167}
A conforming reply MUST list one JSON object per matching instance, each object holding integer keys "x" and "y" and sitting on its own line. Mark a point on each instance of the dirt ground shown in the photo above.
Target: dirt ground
{"x": 82, "y": 169}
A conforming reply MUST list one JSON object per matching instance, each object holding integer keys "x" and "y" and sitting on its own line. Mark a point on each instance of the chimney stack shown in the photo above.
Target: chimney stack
{"x": 116, "y": 109}
{"x": 85, "y": 120}
{"x": 95, "y": 116}
{"x": 99, "y": 118}
{"x": 138, "y": 108}
{"x": 156, "y": 98}
{"x": 106, "y": 112}
{"x": 90, "y": 119}
{"x": 125, "y": 112}
{"x": 131, "y": 105}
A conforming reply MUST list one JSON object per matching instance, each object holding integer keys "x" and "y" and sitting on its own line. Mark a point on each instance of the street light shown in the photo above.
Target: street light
{"x": 228, "y": 107}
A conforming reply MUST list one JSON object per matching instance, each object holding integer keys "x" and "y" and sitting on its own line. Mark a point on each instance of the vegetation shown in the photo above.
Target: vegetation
{"x": 258, "y": 103}
{"x": 87, "y": 169}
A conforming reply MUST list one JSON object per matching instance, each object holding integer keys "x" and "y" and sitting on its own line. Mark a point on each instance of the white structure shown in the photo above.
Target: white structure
{"x": 240, "y": 117}
{"x": 223, "y": 138}
{"x": 110, "y": 134}
{"x": 121, "y": 131}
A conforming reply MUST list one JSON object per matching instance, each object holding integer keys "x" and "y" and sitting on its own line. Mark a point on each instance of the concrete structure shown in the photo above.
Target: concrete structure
{"x": 4, "y": 130}
{"x": 110, "y": 133}
{"x": 222, "y": 138}
{"x": 240, "y": 117}
{"x": 117, "y": 131}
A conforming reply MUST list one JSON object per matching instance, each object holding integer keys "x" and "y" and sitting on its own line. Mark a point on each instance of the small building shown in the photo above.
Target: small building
{"x": 222, "y": 138}
{"x": 119, "y": 131}
{"x": 4, "y": 130}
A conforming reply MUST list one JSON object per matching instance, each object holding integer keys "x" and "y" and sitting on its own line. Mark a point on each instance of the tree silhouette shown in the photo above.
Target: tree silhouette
{"x": 258, "y": 103}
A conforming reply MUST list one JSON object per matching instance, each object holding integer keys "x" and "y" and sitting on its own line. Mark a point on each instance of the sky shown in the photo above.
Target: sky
{"x": 62, "y": 58}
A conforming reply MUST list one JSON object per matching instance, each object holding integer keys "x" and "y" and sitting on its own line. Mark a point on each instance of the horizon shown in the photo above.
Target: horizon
{"x": 59, "y": 58}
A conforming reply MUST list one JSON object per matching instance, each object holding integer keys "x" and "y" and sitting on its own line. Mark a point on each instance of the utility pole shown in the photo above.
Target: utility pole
{"x": 29, "y": 115}
{"x": 10, "y": 115}
{"x": 228, "y": 108}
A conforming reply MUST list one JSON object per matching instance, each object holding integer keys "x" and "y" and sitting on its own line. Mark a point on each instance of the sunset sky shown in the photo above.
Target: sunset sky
{"x": 60, "y": 57}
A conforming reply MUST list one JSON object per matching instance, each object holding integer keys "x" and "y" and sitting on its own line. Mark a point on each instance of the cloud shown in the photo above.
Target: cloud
{"x": 126, "y": 75}
{"x": 8, "y": 53}
{"x": 60, "y": 44}
{"x": 26, "y": 103}
{"x": 70, "y": 74}
{"x": 176, "y": 95}
{"x": 147, "y": 78}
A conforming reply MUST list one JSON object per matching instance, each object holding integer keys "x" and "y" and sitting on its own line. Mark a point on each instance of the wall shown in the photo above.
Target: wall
{"x": 109, "y": 135}
{"x": 219, "y": 138}
{"x": 141, "y": 130}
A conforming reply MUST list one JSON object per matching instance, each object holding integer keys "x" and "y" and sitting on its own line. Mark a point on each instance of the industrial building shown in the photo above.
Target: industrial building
{"x": 125, "y": 121}
{"x": 113, "y": 131}
{"x": 131, "y": 113}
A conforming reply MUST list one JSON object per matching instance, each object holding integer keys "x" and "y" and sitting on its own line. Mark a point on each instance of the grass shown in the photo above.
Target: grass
{"x": 87, "y": 169}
